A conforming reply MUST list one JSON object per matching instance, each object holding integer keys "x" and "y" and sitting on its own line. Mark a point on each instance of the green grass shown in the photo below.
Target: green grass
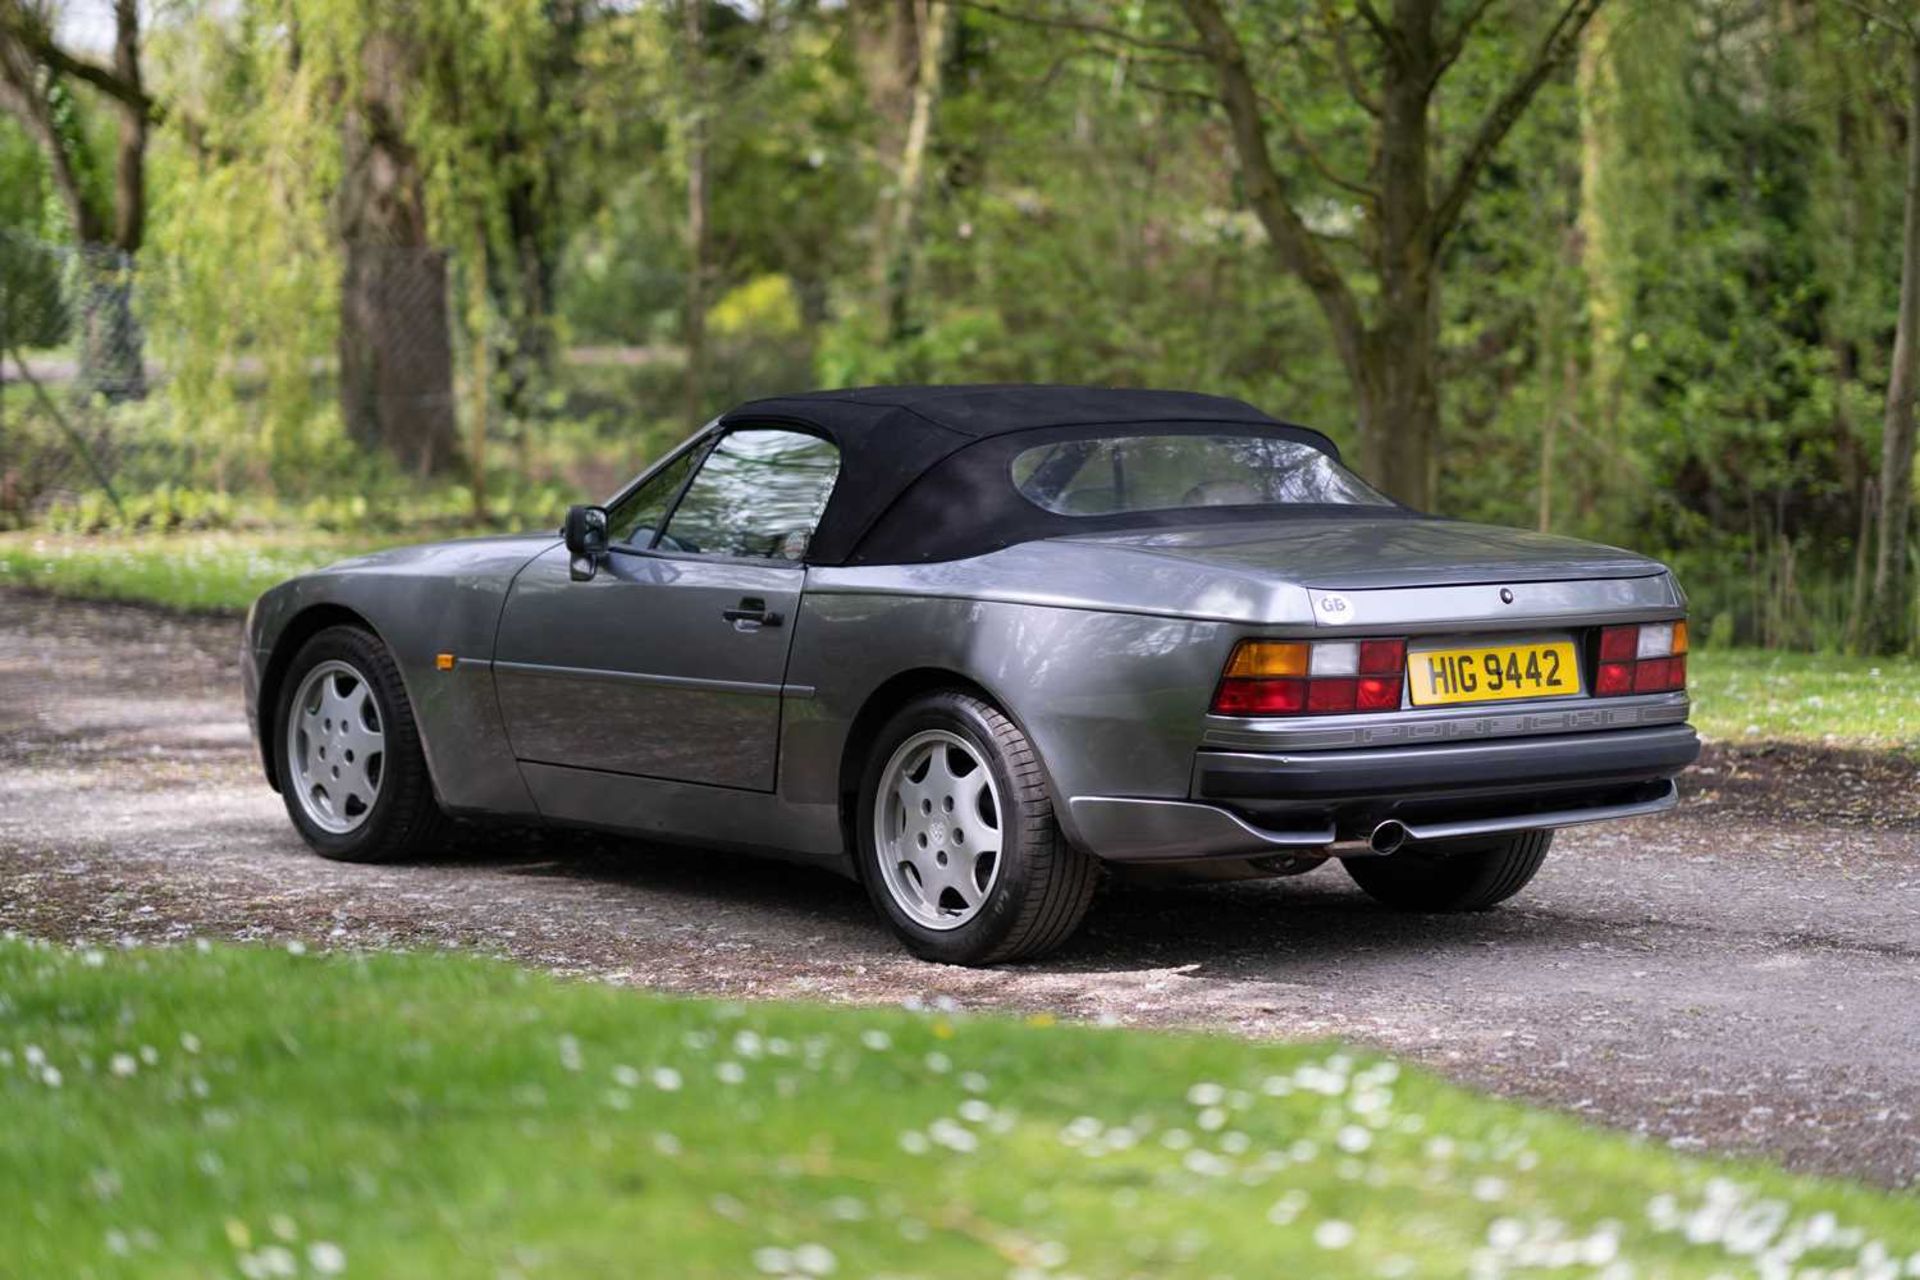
{"x": 195, "y": 1112}
{"x": 1750, "y": 695}
{"x": 186, "y": 571}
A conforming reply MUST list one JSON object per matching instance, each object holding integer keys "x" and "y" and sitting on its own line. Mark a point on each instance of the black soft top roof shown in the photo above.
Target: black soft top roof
{"x": 865, "y": 414}
{"x": 924, "y": 470}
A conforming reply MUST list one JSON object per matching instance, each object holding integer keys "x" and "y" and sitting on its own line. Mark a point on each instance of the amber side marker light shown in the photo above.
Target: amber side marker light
{"x": 1326, "y": 677}
{"x": 1644, "y": 659}
{"x": 444, "y": 661}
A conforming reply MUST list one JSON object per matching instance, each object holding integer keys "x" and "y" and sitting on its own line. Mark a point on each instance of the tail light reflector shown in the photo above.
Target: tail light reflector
{"x": 1242, "y": 696}
{"x": 1382, "y": 657}
{"x": 1646, "y": 659}
{"x": 1327, "y": 696}
{"x": 1378, "y": 693}
{"x": 1328, "y": 677}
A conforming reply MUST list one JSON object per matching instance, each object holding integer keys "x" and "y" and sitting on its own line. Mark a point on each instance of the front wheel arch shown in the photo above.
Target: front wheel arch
{"x": 403, "y": 818}
{"x": 300, "y": 628}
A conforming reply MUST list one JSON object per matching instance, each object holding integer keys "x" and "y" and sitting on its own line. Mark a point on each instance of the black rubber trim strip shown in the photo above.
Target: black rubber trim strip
{"x": 698, "y": 683}
{"x": 1625, "y": 755}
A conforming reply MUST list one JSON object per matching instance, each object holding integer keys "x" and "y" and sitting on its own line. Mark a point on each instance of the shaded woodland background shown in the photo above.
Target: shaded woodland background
{"x": 1626, "y": 269}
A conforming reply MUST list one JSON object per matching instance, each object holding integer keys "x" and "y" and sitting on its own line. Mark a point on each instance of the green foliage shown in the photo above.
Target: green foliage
{"x": 33, "y": 309}
{"x": 1697, "y": 256}
{"x": 1082, "y": 227}
{"x": 854, "y": 350}
{"x": 763, "y": 309}
{"x": 1667, "y": 314}
{"x": 23, "y": 182}
{"x": 160, "y": 510}
{"x": 389, "y": 506}
{"x": 201, "y": 1111}
{"x": 240, "y": 279}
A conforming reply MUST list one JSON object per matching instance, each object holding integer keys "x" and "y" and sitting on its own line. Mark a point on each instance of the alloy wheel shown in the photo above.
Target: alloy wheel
{"x": 937, "y": 826}
{"x": 336, "y": 747}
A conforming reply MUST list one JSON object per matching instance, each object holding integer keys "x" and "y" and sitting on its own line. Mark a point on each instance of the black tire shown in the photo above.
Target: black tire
{"x": 1456, "y": 876}
{"x": 404, "y": 820}
{"x": 1041, "y": 889}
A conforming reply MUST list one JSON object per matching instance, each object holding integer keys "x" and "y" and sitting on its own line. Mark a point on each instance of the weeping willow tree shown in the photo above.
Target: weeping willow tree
{"x": 357, "y": 149}
{"x": 493, "y": 115}
{"x": 242, "y": 254}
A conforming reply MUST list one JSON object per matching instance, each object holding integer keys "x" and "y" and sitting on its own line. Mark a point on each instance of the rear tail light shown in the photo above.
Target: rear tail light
{"x": 1328, "y": 677}
{"x": 1645, "y": 659}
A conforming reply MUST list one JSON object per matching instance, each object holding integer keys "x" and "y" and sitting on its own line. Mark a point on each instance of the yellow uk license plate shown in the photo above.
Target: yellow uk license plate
{"x": 1495, "y": 674}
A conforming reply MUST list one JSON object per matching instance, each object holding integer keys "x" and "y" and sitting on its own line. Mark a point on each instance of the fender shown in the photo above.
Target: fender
{"x": 421, "y": 602}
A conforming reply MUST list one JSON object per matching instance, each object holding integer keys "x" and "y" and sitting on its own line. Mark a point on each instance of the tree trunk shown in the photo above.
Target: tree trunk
{"x": 396, "y": 351}
{"x": 1608, "y": 292}
{"x": 902, "y": 238}
{"x": 1892, "y": 581}
{"x": 130, "y": 152}
{"x": 396, "y": 354}
{"x": 699, "y": 236}
{"x": 1393, "y": 360}
{"x": 886, "y": 41}
{"x": 1400, "y": 400}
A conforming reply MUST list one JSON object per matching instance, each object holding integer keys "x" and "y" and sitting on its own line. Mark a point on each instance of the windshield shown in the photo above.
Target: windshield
{"x": 1160, "y": 473}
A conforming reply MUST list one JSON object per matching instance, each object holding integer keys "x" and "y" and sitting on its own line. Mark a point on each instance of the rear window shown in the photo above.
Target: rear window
{"x": 1163, "y": 473}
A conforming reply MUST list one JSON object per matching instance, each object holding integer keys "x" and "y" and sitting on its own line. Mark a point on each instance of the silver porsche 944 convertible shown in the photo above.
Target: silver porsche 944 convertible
{"x": 974, "y": 646}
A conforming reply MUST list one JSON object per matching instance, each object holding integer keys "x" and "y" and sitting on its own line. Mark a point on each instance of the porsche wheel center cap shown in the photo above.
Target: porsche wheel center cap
{"x": 937, "y": 832}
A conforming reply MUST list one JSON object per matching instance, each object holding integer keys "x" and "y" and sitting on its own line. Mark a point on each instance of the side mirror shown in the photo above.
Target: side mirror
{"x": 586, "y": 535}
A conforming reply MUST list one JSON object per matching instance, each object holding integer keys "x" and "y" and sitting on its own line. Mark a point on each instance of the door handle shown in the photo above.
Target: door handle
{"x": 752, "y": 609}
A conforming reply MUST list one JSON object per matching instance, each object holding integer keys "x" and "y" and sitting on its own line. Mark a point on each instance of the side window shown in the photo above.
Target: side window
{"x": 759, "y": 494}
{"x": 638, "y": 516}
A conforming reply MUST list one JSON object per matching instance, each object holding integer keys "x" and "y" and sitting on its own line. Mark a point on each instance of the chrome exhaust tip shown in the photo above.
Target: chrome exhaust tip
{"x": 1387, "y": 837}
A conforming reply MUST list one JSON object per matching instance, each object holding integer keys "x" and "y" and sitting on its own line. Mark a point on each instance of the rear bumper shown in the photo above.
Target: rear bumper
{"x": 1307, "y": 778}
{"x": 1246, "y": 804}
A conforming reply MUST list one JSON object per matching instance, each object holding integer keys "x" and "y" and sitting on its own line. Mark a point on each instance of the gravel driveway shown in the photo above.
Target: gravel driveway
{"x": 1743, "y": 976}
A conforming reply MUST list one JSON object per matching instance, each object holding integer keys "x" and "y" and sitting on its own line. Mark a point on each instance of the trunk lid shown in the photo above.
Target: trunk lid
{"x": 1363, "y": 552}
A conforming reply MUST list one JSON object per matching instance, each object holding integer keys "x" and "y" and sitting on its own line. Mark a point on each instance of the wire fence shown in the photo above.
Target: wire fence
{"x": 69, "y": 323}
{"x": 71, "y": 315}
{"x": 275, "y": 385}
{"x": 102, "y": 354}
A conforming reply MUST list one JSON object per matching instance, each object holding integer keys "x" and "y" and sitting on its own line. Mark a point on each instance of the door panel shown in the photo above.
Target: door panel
{"x": 637, "y": 670}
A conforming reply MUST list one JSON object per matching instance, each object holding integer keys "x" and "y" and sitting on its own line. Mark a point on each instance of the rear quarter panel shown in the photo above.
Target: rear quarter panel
{"x": 1067, "y": 639}
{"x": 1115, "y": 703}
